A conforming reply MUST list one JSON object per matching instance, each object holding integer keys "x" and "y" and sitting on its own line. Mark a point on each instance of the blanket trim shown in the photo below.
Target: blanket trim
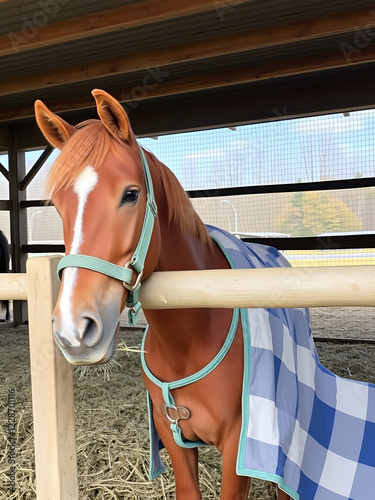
{"x": 246, "y": 333}
{"x": 240, "y": 470}
{"x": 156, "y": 465}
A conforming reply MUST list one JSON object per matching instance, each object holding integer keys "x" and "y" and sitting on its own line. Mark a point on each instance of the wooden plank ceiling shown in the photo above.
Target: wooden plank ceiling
{"x": 153, "y": 54}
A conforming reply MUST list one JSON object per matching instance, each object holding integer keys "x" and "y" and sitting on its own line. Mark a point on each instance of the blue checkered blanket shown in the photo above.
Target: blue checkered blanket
{"x": 304, "y": 428}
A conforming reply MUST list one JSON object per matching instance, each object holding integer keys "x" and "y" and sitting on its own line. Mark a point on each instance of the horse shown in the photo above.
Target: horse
{"x": 4, "y": 268}
{"x": 125, "y": 216}
{"x": 100, "y": 190}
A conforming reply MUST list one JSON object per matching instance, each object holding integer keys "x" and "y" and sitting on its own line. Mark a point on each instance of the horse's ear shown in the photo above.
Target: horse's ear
{"x": 113, "y": 116}
{"x": 56, "y": 130}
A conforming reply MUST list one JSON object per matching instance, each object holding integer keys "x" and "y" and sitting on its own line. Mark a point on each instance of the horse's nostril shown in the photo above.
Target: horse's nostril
{"x": 61, "y": 342}
{"x": 78, "y": 337}
{"x": 90, "y": 331}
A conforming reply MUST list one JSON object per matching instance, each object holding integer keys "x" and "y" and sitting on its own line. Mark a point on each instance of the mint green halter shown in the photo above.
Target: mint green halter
{"x": 137, "y": 261}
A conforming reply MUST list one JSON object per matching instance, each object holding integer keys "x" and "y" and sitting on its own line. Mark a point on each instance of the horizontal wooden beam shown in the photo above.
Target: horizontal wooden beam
{"x": 288, "y": 187}
{"x": 266, "y": 288}
{"x": 47, "y": 248}
{"x": 35, "y": 203}
{"x": 300, "y": 243}
{"x": 13, "y": 286}
{"x": 209, "y": 81}
{"x": 199, "y": 50}
{"x": 352, "y": 286}
{"x": 111, "y": 20}
{"x": 280, "y": 99}
{"x": 6, "y": 205}
{"x": 318, "y": 242}
{"x": 27, "y": 135}
{"x": 6, "y": 138}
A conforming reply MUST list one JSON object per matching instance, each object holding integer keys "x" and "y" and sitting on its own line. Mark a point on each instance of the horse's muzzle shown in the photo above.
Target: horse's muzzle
{"x": 86, "y": 341}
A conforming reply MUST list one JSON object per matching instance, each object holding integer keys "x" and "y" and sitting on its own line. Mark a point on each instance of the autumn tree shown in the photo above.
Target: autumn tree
{"x": 313, "y": 213}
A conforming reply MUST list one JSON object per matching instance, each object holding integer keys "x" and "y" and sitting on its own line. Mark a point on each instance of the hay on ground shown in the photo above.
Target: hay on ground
{"x": 112, "y": 424}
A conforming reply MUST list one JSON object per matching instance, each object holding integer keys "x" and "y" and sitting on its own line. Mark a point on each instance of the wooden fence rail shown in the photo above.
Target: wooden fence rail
{"x": 276, "y": 287}
{"x": 52, "y": 376}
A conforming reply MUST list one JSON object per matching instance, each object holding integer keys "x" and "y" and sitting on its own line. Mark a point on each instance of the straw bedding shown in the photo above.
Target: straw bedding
{"x": 112, "y": 425}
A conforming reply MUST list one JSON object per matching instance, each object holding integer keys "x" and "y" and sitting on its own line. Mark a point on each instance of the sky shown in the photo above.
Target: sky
{"x": 303, "y": 149}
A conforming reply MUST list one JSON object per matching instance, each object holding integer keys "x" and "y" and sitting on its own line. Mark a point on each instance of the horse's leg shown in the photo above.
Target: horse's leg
{"x": 281, "y": 495}
{"x": 185, "y": 468}
{"x": 233, "y": 487}
{"x": 184, "y": 463}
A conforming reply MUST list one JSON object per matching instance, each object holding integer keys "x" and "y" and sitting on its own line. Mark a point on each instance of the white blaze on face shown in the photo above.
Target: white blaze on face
{"x": 83, "y": 186}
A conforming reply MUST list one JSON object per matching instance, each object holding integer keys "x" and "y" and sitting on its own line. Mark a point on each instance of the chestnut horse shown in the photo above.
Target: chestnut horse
{"x": 106, "y": 190}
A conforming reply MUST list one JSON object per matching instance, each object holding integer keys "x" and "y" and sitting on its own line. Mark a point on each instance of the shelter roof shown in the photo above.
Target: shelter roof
{"x": 179, "y": 55}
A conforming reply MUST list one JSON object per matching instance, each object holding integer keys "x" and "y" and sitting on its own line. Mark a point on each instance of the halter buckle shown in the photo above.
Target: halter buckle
{"x": 128, "y": 286}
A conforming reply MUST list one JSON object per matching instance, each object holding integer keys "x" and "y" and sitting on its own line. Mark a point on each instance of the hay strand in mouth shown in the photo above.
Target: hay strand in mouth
{"x": 125, "y": 348}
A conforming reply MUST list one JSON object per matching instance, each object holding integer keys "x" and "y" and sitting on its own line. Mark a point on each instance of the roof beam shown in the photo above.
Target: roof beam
{"x": 120, "y": 18}
{"x": 199, "y": 82}
{"x": 195, "y": 51}
{"x": 6, "y": 138}
{"x": 282, "y": 99}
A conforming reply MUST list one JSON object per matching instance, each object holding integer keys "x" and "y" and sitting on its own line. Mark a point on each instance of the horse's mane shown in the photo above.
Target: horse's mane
{"x": 181, "y": 210}
{"x": 91, "y": 144}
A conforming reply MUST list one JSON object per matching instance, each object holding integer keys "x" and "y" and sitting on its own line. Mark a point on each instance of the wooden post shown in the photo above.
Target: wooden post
{"x": 18, "y": 221}
{"x": 52, "y": 389}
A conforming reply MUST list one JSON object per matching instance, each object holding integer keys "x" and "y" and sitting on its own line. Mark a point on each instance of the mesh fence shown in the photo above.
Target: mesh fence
{"x": 300, "y": 150}
{"x": 339, "y": 146}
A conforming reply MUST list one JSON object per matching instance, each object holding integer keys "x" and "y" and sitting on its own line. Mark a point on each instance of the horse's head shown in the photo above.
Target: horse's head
{"x": 102, "y": 188}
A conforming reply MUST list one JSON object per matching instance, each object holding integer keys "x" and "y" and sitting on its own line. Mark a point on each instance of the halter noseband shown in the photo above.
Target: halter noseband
{"x": 137, "y": 261}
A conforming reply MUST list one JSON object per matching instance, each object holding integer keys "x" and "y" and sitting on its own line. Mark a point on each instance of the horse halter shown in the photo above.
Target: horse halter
{"x": 137, "y": 261}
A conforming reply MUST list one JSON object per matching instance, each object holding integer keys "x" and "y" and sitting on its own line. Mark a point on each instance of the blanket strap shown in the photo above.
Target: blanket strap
{"x": 167, "y": 387}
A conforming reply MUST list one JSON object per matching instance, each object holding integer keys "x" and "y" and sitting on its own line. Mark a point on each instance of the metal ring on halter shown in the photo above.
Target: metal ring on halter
{"x": 182, "y": 413}
{"x": 129, "y": 287}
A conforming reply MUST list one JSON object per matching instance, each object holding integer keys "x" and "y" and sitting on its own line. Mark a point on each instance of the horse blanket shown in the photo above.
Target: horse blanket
{"x": 304, "y": 428}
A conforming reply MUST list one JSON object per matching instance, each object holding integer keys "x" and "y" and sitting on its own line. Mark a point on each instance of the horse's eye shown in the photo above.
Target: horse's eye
{"x": 130, "y": 195}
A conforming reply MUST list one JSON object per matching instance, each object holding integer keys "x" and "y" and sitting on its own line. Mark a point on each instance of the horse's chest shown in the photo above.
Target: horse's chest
{"x": 213, "y": 402}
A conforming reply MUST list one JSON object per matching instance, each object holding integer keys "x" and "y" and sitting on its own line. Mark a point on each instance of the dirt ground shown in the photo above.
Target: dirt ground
{"x": 343, "y": 322}
{"x": 111, "y": 415}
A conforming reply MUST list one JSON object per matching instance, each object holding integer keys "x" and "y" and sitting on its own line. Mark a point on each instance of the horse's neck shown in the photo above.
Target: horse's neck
{"x": 186, "y": 334}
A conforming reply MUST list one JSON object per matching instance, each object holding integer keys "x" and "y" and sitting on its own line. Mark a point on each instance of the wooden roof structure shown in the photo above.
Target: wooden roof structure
{"x": 179, "y": 65}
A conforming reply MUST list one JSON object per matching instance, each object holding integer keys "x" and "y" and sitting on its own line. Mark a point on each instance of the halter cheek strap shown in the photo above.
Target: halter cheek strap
{"x": 137, "y": 261}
